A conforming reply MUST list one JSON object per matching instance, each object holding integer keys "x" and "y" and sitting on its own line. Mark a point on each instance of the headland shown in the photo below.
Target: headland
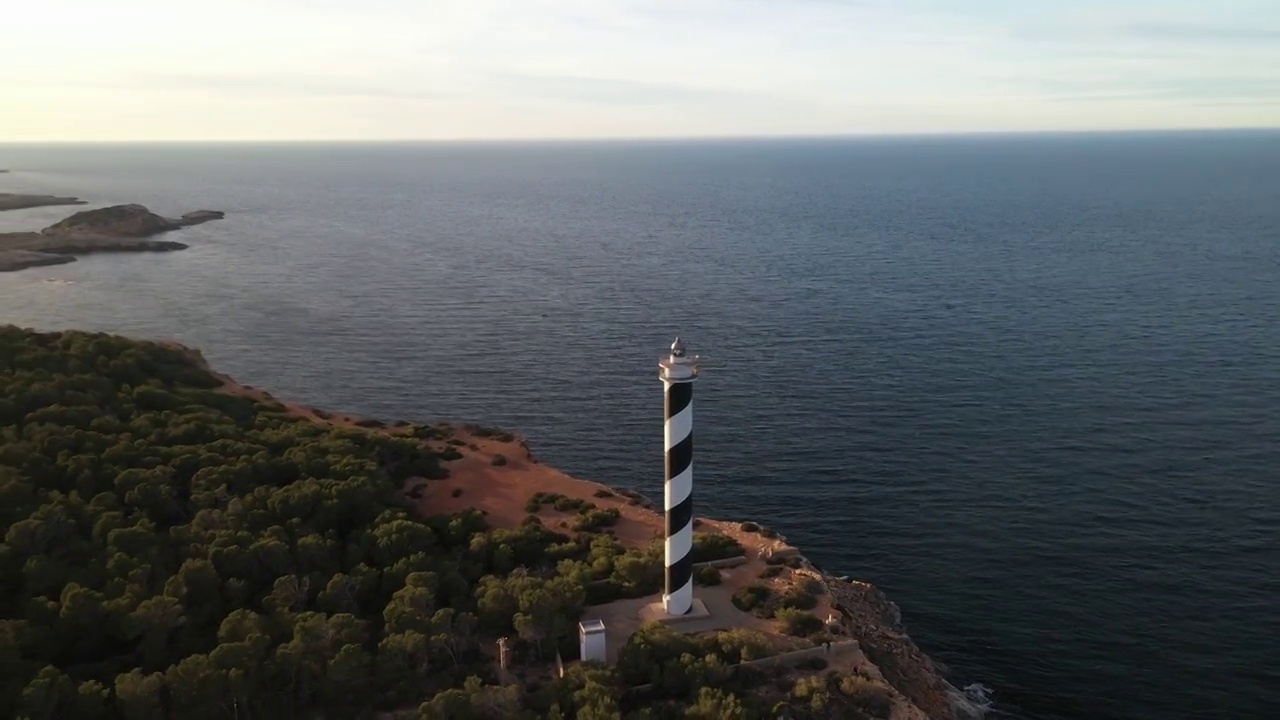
{"x": 495, "y": 472}
{"x": 118, "y": 228}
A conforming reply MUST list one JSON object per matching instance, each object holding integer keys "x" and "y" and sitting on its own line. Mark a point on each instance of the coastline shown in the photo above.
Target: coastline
{"x": 501, "y": 489}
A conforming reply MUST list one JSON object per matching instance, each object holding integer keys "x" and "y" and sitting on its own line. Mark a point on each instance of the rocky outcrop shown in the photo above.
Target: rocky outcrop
{"x": 119, "y": 221}
{"x": 876, "y": 622}
{"x": 119, "y": 228}
{"x": 11, "y": 201}
{"x": 199, "y": 216}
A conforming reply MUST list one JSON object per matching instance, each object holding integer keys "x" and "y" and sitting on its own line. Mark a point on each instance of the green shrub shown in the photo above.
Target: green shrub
{"x": 798, "y": 622}
{"x": 596, "y": 518}
{"x": 751, "y": 597}
{"x": 426, "y": 432}
{"x": 714, "y": 546}
{"x": 706, "y": 575}
{"x": 749, "y": 527}
{"x": 498, "y": 460}
{"x": 370, "y": 423}
{"x": 872, "y": 698}
{"x": 603, "y": 494}
{"x": 771, "y": 571}
{"x": 794, "y": 562}
{"x": 766, "y": 532}
{"x": 531, "y": 520}
{"x": 797, "y": 599}
{"x": 457, "y": 492}
{"x": 538, "y": 499}
{"x": 449, "y": 454}
{"x": 813, "y": 586}
{"x": 456, "y": 442}
{"x": 488, "y": 432}
{"x": 566, "y": 504}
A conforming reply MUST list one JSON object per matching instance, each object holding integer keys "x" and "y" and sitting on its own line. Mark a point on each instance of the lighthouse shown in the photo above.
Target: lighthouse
{"x": 678, "y": 371}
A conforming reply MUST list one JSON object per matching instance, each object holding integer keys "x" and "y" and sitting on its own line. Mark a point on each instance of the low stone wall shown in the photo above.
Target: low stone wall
{"x": 796, "y": 656}
{"x": 722, "y": 563}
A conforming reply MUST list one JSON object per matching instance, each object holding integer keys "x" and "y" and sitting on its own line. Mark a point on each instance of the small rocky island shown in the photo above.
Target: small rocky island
{"x": 119, "y": 228}
{"x": 12, "y": 201}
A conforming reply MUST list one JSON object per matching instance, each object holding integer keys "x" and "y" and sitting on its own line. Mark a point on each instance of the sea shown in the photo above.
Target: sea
{"x": 1028, "y": 385}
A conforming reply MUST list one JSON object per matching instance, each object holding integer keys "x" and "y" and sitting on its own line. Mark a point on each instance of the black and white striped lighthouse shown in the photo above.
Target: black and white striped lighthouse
{"x": 678, "y": 371}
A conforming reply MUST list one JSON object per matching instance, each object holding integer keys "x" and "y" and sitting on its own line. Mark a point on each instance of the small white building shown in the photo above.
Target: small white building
{"x": 591, "y": 640}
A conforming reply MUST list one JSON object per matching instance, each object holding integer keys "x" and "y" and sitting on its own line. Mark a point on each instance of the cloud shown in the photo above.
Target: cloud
{"x": 1123, "y": 33}
{"x": 606, "y": 91}
{"x": 295, "y": 86}
{"x": 1183, "y": 89}
{"x": 1184, "y": 32}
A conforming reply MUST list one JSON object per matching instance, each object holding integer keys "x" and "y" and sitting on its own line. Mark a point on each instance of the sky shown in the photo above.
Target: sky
{"x": 176, "y": 70}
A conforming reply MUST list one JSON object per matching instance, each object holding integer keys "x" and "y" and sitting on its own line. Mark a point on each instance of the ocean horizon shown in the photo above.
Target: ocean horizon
{"x": 1027, "y": 384}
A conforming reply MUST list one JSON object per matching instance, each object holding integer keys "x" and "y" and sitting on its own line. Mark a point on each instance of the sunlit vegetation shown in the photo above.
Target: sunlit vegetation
{"x": 173, "y": 550}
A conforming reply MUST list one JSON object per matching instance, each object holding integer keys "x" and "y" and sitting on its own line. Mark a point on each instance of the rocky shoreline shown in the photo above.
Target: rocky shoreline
{"x": 118, "y": 228}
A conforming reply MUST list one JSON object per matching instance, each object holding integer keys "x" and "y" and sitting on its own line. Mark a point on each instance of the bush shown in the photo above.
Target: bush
{"x": 427, "y": 432}
{"x": 456, "y": 442}
{"x": 457, "y": 492}
{"x": 771, "y": 571}
{"x": 370, "y": 423}
{"x": 751, "y": 597}
{"x": 797, "y": 599}
{"x": 766, "y": 532}
{"x": 449, "y": 453}
{"x": 603, "y": 494}
{"x": 498, "y": 460}
{"x": 595, "y": 518}
{"x": 872, "y": 698}
{"x": 321, "y": 414}
{"x": 488, "y": 432}
{"x": 402, "y": 423}
{"x": 538, "y": 499}
{"x": 706, "y": 575}
{"x": 531, "y": 520}
{"x": 749, "y": 527}
{"x": 713, "y": 546}
{"x": 813, "y": 586}
{"x": 794, "y": 562}
{"x": 798, "y": 622}
{"x": 566, "y": 504}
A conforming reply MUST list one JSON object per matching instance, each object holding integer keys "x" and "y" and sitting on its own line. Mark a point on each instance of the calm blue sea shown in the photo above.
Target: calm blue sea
{"x": 1030, "y": 386}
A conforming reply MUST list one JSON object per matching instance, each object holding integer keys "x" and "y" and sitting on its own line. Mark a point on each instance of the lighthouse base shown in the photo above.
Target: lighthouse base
{"x": 656, "y": 611}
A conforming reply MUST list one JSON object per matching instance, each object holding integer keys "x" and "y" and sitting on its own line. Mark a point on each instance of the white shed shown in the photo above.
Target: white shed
{"x": 591, "y": 640}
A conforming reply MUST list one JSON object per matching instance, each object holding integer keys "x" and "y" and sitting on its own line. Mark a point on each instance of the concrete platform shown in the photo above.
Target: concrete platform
{"x": 655, "y": 611}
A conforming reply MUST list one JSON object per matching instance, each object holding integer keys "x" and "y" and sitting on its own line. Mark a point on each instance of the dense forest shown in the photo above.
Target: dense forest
{"x": 174, "y": 551}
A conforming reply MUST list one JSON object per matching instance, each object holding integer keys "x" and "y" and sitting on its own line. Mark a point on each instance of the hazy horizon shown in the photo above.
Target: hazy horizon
{"x": 669, "y": 139}
{"x": 517, "y": 70}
